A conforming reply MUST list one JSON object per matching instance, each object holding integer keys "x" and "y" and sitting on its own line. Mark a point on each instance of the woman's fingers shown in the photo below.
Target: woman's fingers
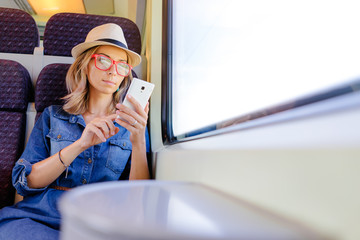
{"x": 134, "y": 121}
{"x": 104, "y": 127}
{"x": 123, "y": 116}
{"x": 147, "y": 108}
{"x": 138, "y": 108}
{"x": 131, "y": 116}
{"x": 125, "y": 123}
{"x": 128, "y": 111}
{"x": 135, "y": 103}
{"x": 97, "y": 132}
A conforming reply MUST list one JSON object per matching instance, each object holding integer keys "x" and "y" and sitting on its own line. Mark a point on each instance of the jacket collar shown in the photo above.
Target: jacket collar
{"x": 61, "y": 114}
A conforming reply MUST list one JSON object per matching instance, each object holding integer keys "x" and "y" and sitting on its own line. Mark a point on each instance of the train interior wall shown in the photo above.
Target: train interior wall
{"x": 305, "y": 169}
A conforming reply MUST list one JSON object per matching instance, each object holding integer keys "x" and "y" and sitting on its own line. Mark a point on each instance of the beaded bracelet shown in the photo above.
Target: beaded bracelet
{"x": 66, "y": 166}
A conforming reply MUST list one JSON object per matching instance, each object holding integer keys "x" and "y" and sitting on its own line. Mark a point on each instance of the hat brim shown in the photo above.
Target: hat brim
{"x": 82, "y": 47}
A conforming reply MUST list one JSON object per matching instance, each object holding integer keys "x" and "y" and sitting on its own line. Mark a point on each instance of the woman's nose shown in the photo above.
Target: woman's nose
{"x": 112, "y": 69}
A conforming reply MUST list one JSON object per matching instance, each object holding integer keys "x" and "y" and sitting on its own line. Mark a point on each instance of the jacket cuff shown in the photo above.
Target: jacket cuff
{"x": 21, "y": 170}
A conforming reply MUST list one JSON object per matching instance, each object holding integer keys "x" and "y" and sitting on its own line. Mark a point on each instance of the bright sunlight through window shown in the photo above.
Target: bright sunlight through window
{"x": 233, "y": 57}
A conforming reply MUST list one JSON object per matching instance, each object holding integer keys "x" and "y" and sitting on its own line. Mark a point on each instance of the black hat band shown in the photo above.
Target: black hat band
{"x": 116, "y": 42}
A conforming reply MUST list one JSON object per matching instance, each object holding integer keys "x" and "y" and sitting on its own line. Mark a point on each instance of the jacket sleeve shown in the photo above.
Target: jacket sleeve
{"x": 37, "y": 149}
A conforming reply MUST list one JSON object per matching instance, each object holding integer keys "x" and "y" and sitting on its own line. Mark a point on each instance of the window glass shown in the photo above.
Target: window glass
{"x": 233, "y": 57}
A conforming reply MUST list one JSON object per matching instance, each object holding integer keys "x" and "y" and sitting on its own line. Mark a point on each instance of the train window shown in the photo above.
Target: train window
{"x": 232, "y": 60}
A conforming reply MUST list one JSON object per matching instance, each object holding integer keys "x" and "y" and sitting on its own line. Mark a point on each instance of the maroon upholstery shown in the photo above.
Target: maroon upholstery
{"x": 50, "y": 87}
{"x": 65, "y": 30}
{"x": 15, "y": 90}
{"x": 15, "y": 86}
{"x": 18, "y": 31}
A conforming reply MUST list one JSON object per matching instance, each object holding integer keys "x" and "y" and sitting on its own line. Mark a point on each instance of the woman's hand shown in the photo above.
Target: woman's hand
{"x": 98, "y": 130}
{"x": 134, "y": 121}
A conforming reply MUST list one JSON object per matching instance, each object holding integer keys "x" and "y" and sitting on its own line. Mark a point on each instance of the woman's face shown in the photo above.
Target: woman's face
{"x": 106, "y": 82}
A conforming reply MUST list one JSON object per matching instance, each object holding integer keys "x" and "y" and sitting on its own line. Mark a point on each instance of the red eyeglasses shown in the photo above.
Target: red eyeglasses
{"x": 104, "y": 63}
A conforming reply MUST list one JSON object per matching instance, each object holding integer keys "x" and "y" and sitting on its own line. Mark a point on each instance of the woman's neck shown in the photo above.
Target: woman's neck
{"x": 99, "y": 104}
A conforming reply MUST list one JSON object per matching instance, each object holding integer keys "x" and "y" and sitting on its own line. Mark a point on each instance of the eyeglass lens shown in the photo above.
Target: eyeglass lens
{"x": 104, "y": 63}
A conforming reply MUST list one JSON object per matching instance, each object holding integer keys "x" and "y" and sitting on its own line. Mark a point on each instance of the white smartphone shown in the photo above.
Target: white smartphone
{"x": 141, "y": 91}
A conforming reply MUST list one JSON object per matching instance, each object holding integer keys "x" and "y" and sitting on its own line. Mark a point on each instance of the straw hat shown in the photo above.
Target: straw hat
{"x": 106, "y": 34}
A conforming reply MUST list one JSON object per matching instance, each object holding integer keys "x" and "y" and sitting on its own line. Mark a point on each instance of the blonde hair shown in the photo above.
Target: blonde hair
{"x": 76, "y": 102}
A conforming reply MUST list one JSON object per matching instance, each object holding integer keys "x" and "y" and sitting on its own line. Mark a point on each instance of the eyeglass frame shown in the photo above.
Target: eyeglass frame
{"x": 113, "y": 62}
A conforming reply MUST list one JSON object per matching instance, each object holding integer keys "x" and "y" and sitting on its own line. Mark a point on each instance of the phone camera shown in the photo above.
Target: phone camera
{"x": 142, "y": 87}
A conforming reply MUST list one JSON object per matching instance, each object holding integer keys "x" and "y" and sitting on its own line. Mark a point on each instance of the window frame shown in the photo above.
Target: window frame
{"x": 226, "y": 126}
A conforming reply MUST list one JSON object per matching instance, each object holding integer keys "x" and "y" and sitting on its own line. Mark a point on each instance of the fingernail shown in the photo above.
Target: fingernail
{"x": 129, "y": 96}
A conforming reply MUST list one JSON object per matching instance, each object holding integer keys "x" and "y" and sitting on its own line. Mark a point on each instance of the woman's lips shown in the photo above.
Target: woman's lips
{"x": 109, "y": 82}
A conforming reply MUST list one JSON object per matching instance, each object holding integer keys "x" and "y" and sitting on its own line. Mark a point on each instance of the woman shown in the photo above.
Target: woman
{"x": 92, "y": 138}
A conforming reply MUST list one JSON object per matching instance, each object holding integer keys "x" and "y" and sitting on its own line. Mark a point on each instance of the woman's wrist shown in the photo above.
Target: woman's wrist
{"x": 139, "y": 144}
{"x": 80, "y": 146}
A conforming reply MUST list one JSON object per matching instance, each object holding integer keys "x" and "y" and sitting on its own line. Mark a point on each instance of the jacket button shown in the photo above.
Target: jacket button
{"x": 58, "y": 136}
{"x": 89, "y": 161}
{"x": 84, "y": 181}
{"x": 124, "y": 144}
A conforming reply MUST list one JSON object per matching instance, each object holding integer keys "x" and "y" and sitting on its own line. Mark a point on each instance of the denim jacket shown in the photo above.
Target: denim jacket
{"x": 56, "y": 129}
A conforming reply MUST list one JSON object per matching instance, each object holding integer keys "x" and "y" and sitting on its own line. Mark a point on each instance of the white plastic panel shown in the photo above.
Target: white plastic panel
{"x": 167, "y": 210}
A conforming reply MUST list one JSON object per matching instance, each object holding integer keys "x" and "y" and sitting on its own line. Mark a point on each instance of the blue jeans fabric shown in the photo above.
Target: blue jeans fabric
{"x": 26, "y": 228}
{"x": 37, "y": 215}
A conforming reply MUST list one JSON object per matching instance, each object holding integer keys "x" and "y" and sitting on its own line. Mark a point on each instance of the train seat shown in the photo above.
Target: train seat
{"x": 50, "y": 87}
{"x": 16, "y": 91}
{"x": 19, "y": 38}
{"x": 19, "y": 33}
{"x": 65, "y": 30}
